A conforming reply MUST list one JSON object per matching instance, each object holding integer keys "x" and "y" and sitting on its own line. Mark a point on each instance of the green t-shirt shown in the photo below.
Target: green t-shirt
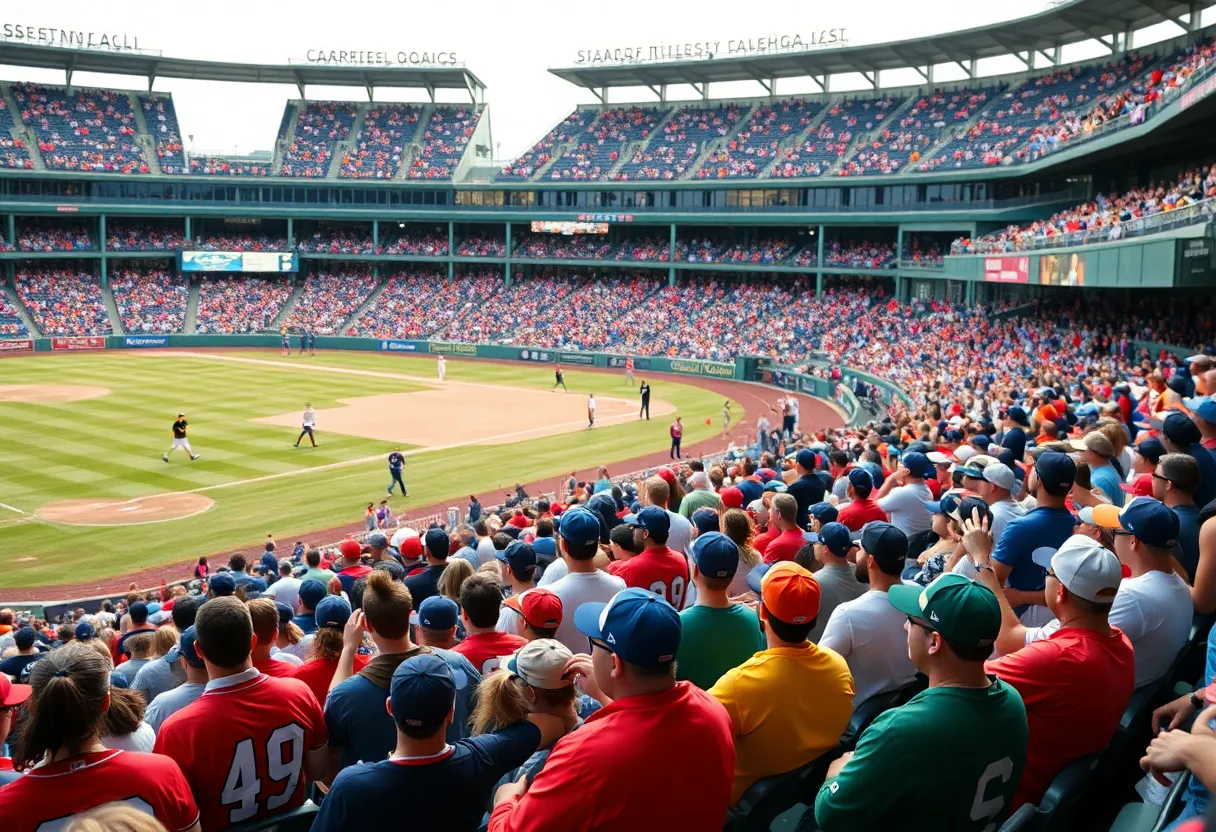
{"x": 712, "y": 641}
{"x": 698, "y": 498}
{"x": 949, "y": 759}
{"x": 322, "y": 575}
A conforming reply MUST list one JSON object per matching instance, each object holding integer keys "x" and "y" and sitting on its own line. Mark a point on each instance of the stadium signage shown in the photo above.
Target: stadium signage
{"x": 362, "y": 57}
{"x": 638, "y": 363}
{"x": 50, "y": 36}
{"x": 454, "y": 349}
{"x": 535, "y": 355}
{"x": 1007, "y": 269}
{"x": 680, "y": 366}
{"x": 707, "y": 49}
{"x": 84, "y": 342}
{"x": 1197, "y": 93}
{"x": 394, "y": 345}
{"x": 146, "y": 341}
{"x": 576, "y": 358}
{"x": 605, "y": 217}
{"x": 711, "y": 368}
{"x": 17, "y": 345}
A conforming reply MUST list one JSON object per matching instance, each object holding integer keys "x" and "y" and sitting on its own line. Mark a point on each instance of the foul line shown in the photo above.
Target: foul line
{"x": 11, "y": 508}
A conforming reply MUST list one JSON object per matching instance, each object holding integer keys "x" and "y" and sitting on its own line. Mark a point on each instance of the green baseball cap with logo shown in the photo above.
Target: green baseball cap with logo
{"x": 962, "y": 610}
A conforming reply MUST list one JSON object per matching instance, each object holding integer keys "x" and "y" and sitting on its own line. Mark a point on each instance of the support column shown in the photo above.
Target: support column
{"x": 451, "y": 250}
{"x": 12, "y": 230}
{"x": 375, "y": 234}
{"x": 899, "y": 289}
{"x": 969, "y": 297}
{"x": 291, "y": 239}
{"x": 818, "y": 284}
{"x": 507, "y": 266}
{"x": 189, "y": 236}
{"x": 899, "y": 245}
{"x": 671, "y": 270}
{"x": 104, "y": 281}
{"x": 101, "y": 233}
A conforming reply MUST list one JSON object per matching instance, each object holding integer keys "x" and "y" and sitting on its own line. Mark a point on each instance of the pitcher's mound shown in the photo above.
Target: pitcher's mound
{"x": 155, "y": 508}
{"x": 49, "y": 393}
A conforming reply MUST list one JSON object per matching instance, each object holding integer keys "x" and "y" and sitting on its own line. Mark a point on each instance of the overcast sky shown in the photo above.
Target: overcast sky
{"x": 509, "y": 46}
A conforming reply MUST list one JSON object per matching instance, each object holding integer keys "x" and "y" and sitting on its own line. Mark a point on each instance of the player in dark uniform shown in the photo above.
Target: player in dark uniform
{"x": 286, "y": 343}
{"x": 396, "y": 461}
{"x": 645, "y": 391}
{"x": 560, "y": 378}
{"x": 312, "y": 342}
{"x": 179, "y": 439}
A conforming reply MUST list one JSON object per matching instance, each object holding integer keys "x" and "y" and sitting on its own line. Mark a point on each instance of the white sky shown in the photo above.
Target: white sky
{"x": 510, "y": 46}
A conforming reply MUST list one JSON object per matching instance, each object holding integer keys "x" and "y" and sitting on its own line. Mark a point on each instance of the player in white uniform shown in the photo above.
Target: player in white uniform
{"x": 309, "y": 422}
{"x": 443, "y": 367}
{"x": 179, "y": 439}
{"x": 591, "y": 411}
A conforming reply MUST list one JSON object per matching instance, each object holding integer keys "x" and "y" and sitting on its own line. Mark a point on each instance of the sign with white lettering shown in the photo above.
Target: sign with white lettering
{"x": 709, "y": 49}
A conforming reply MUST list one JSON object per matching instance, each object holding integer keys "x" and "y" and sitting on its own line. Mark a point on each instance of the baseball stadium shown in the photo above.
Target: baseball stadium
{"x": 790, "y": 407}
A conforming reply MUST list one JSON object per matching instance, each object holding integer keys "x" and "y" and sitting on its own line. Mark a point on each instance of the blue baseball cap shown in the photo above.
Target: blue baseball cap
{"x": 716, "y": 555}
{"x": 1204, "y": 408}
{"x": 85, "y": 631}
{"x": 775, "y": 485}
{"x": 836, "y": 537}
{"x": 706, "y": 520}
{"x": 981, "y": 441}
{"x": 332, "y": 611}
{"x": 652, "y": 519}
{"x": 437, "y": 543}
{"x": 438, "y": 613}
{"x": 1151, "y": 449}
{"x": 579, "y": 526}
{"x": 222, "y": 584}
{"x": 954, "y": 435}
{"x": 1151, "y": 521}
{"x": 1056, "y": 471}
{"x": 823, "y": 512}
{"x": 185, "y": 649}
{"x": 1018, "y": 415}
{"x": 806, "y": 458}
{"x": 311, "y": 593}
{"x": 885, "y": 543}
{"x": 861, "y": 478}
{"x": 422, "y": 692}
{"x": 636, "y": 625}
{"x": 919, "y": 465}
{"x": 946, "y": 505}
{"x": 519, "y": 556}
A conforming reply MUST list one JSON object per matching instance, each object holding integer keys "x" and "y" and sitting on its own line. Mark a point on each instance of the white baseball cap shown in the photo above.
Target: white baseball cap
{"x": 938, "y": 458}
{"x": 964, "y": 453}
{"x": 699, "y": 479}
{"x": 541, "y": 663}
{"x": 1000, "y": 475}
{"x": 1085, "y": 567}
{"x": 400, "y": 536}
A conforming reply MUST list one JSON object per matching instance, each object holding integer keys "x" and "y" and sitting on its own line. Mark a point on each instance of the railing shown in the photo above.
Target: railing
{"x": 926, "y": 265}
{"x": 1201, "y": 211}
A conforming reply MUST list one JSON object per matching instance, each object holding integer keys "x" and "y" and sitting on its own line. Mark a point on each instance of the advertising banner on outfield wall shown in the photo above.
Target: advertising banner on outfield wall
{"x": 393, "y": 345}
{"x": 452, "y": 349}
{"x": 586, "y": 359}
{"x": 17, "y": 345}
{"x": 85, "y": 342}
{"x": 536, "y": 355}
{"x": 718, "y": 369}
{"x": 146, "y": 341}
{"x": 639, "y": 363}
{"x": 1007, "y": 269}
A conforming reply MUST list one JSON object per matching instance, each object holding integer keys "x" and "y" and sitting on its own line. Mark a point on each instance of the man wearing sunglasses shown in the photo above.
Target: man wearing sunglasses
{"x": 967, "y": 729}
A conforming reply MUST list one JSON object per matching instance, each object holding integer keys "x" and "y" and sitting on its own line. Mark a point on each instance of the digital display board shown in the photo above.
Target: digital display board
{"x": 568, "y": 227}
{"x": 238, "y": 261}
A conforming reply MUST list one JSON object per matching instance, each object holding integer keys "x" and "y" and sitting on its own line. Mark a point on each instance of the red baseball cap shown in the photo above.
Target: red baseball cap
{"x": 1141, "y": 486}
{"x": 790, "y": 592}
{"x": 541, "y": 608}
{"x": 411, "y": 548}
{"x": 11, "y": 694}
{"x": 731, "y": 497}
{"x": 350, "y": 549}
{"x": 666, "y": 475}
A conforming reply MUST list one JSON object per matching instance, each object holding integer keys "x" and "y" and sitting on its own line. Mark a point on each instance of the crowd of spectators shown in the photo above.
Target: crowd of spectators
{"x": 749, "y": 152}
{"x": 417, "y": 241}
{"x": 223, "y": 166}
{"x": 160, "y": 119}
{"x": 1109, "y": 216}
{"x": 340, "y": 239}
{"x": 568, "y": 130}
{"x": 563, "y": 247}
{"x": 922, "y": 252}
{"x": 11, "y": 324}
{"x": 827, "y": 143}
{"x": 330, "y": 299}
{"x": 86, "y": 130}
{"x": 13, "y": 152}
{"x": 598, "y": 148}
{"x": 482, "y": 244}
{"x": 35, "y": 235}
{"x": 672, "y": 151}
{"x": 381, "y": 144}
{"x": 150, "y": 298}
{"x": 649, "y": 248}
{"x": 859, "y": 254}
{"x": 237, "y": 241}
{"x": 122, "y": 235}
{"x": 422, "y": 302}
{"x": 62, "y": 299}
{"x": 239, "y": 305}
{"x": 444, "y": 142}
{"x": 321, "y": 125}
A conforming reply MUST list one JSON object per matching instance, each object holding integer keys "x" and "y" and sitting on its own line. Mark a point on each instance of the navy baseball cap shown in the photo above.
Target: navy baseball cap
{"x": 823, "y": 512}
{"x": 636, "y": 625}
{"x": 836, "y": 537}
{"x": 652, "y": 519}
{"x": 1018, "y": 414}
{"x": 1204, "y": 408}
{"x": 1151, "y": 449}
{"x": 579, "y": 526}
{"x": 25, "y": 637}
{"x": 806, "y": 458}
{"x": 422, "y": 692}
{"x": 716, "y": 555}
{"x": 1151, "y": 521}
{"x": 981, "y": 441}
{"x": 954, "y": 435}
{"x": 139, "y": 612}
{"x": 706, "y": 520}
{"x": 333, "y": 611}
{"x": 85, "y": 631}
{"x": 1056, "y": 471}
{"x": 377, "y": 540}
{"x": 285, "y": 612}
{"x": 518, "y": 556}
{"x": 438, "y": 613}
{"x": 222, "y": 584}
{"x": 437, "y": 542}
{"x": 861, "y": 478}
{"x": 946, "y": 505}
{"x": 885, "y": 543}
{"x": 311, "y": 593}
{"x": 919, "y": 465}
{"x": 1179, "y": 429}
{"x": 185, "y": 649}
{"x": 967, "y": 506}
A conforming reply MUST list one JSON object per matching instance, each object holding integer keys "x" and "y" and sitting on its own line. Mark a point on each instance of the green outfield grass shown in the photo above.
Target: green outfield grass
{"x": 110, "y": 447}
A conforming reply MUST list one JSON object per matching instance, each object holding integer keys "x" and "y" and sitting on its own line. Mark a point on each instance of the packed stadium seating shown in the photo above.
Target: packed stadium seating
{"x": 320, "y": 127}
{"x": 210, "y": 241}
{"x": 62, "y": 299}
{"x": 383, "y": 140}
{"x": 222, "y": 166}
{"x": 755, "y": 146}
{"x": 160, "y": 119}
{"x": 89, "y": 130}
{"x": 561, "y": 246}
{"x": 124, "y": 235}
{"x": 482, "y": 244}
{"x": 13, "y": 152}
{"x": 423, "y": 302}
{"x": 11, "y": 324}
{"x": 444, "y": 141}
{"x": 844, "y": 122}
{"x": 596, "y": 149}
{"x": 417, "y": 241}
{"x": 529, "y": 164}
{"x": 150, "y": 298}
{"x": 330, "y": 298}
{"x": 651, "y": 249}
{"x": 921, "y": 251}
{"x": 231, "y": 305}
{"x": 340, "y": 239}
{"x": 859, "y": 254}
{"x": 675, "y": 147}
{"x": 36, "y": 235}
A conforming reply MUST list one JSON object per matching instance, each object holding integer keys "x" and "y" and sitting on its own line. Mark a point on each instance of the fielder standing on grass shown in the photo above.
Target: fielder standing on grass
{"x": 179, "y": 439}
{"x": 309, "y": 422}
{"x": 629, "y": 370}
{"x": 443, "y": 368}
{"x": 396, "y": 462}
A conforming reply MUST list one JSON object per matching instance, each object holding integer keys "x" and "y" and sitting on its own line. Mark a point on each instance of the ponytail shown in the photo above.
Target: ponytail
{"x": 502, "y": 700}
{"x": 66, "y": 710}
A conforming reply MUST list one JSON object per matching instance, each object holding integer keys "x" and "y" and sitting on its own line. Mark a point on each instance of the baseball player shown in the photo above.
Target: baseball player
{"x": 677, "y": 434}
{"x": 312, "y": 342}
{"x": 590, "y": 411}
{"x": 726, "y": 415}
{"x": 442, "y": 367}
{"x": 560, "y": 379}
{"x": 396, "y": 461}
{"x": 286, "y": 343}
{"x": 309, "y": 422}
{"x": 179, "y": 439}
{"x": 644, "y": 390}
{"x": 629, "y": 370}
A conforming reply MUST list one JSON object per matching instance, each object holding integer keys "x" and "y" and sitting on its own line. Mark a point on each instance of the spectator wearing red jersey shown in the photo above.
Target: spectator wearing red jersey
{"x": 480, "y": 605}
{"x": 325, "y": 647}
{"x": 265, "y": 617}
{"x": 657, "y": 569}
{"x": 861, "y": 508}
{"x": 789, "y": 538}
{"x": 73, "y": 771}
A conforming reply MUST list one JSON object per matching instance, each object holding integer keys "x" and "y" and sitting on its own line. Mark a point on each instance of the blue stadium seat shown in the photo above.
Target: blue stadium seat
{"x": 873, "y": 707}
{"x": 772, "y": 796}
{"x": 1145, "y": 817}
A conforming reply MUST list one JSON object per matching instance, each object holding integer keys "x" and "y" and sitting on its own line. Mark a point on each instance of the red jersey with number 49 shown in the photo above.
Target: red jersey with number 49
{"x": 658, "y": 570}
{"x": 241, "y": 746}
{"x": 47, "y": 797}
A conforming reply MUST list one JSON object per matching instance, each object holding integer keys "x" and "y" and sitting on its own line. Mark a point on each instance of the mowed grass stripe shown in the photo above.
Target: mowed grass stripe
{"x": 236, "y": 449}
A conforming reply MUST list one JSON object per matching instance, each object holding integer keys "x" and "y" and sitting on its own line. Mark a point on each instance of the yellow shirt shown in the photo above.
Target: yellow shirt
{"x": 787, "y": 706}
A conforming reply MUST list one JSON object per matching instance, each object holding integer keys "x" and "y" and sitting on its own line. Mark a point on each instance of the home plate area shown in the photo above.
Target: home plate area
{"x": 155, "y": 508}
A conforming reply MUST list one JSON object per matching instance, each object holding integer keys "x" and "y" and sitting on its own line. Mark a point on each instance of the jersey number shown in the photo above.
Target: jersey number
{"x": 659, "y": 588}
{"x": 243, "y": 785}
{"x": 1001, "y": 770}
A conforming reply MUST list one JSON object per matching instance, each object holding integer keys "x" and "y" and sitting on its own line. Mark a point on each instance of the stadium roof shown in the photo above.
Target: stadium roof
{"x": 1068, "y": 22}
{"x": 152, "y": 66}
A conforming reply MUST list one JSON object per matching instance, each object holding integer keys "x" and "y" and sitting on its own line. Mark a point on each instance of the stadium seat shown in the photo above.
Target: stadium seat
{"x": 1023, "y": 820}
{"x": 872, "y": 708}
{"x": 297, "y": 820}
{"x": 771, "y": 796}
{"x": 1058, "y": 807}
{"x": 1146, "y": 817}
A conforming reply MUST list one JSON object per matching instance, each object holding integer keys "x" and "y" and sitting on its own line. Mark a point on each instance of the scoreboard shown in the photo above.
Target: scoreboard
{"x": 569, "y": 227}
{"x": 238, "y": 261}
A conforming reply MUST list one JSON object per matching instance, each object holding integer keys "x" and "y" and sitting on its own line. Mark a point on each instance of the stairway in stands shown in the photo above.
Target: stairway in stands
{"x": 294, "y": 298}
{"x": 191, "y": 320}
{"x": 107, "y": 295}
{"x": 147, "y": 142}
{"x": 371, "y": 301}
{"x": 10, "y": 292}
{"x": 20, "y": 131}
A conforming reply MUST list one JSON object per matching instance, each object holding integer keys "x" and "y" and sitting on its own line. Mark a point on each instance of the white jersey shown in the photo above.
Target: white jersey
{"x": 310, "y": 418}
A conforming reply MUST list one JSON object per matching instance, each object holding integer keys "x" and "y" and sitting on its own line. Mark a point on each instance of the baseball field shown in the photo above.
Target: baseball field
{"x": 84, "y": 493}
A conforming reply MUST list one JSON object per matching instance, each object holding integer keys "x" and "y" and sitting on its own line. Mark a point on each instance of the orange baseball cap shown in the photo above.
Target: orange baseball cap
{"x": 790, "y": 592}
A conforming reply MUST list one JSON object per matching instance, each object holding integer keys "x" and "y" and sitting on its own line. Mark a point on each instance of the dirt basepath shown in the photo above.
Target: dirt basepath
{"x": 814, "y": 413}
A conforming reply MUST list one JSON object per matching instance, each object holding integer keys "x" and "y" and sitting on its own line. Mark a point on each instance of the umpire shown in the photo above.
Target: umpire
{"x": 645, "y": 391}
